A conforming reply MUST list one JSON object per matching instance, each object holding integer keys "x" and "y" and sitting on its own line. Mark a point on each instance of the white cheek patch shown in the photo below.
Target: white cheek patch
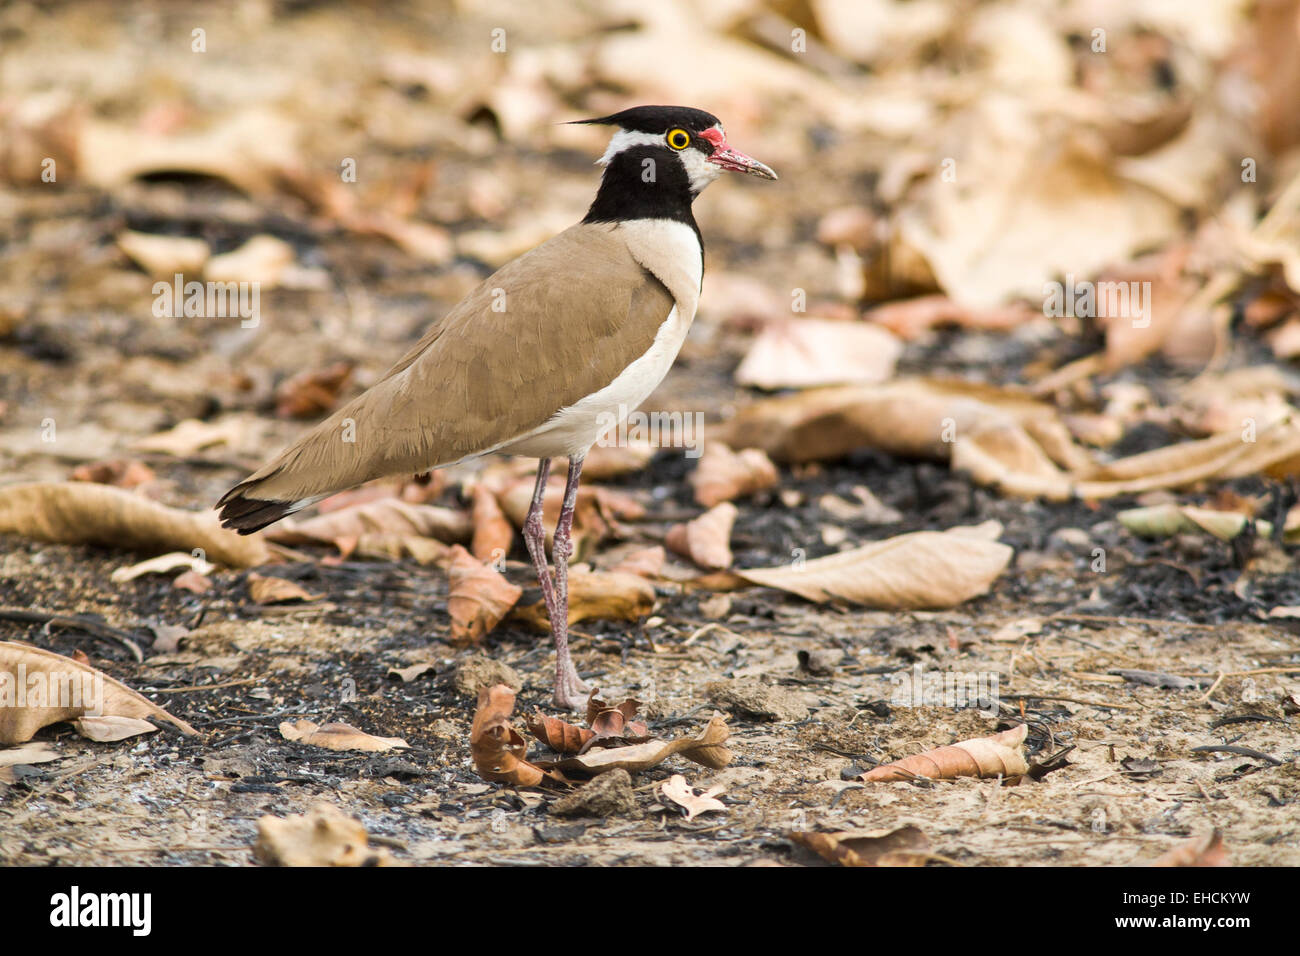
{"x": 699, "y": 170}
{"x": 625, "y": 139}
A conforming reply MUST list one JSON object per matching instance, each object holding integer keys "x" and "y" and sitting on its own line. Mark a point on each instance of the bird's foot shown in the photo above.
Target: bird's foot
{"x": 571, "y": 692}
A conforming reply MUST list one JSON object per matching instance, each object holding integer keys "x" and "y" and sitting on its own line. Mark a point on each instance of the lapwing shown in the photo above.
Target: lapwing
{"x": 543, "y": 358}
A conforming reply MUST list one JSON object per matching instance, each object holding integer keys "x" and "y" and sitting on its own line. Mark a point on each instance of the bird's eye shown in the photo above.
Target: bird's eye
{"x": 679, "y": 139}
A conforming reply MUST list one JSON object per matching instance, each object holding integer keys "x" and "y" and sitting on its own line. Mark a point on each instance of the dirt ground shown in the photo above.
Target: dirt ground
{"x": 1146, "y": 767}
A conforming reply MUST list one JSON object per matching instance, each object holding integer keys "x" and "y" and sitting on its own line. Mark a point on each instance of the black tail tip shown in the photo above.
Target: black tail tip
{"x": 246, "y": 515}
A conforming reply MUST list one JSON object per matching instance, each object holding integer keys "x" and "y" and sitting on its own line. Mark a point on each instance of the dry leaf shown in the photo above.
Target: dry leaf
{"x": 905, "y": 846}
{"x": 924, "y": 569}
{"x": 337, "y": 736}
{"x": 706, "y": 748}
{"x": 32, "y": 752}
{"x": 163, "y": 564}
{"x": 724, "y": 475}
{"x": 614, "y": 460}
{"x": 495, "y": 746}
{"x": 609, "y": 720}
{"x": 264, "y": 589}
{"x": 385, "y": 516}
{"x": 262, "y": 260}
{"x": 493, "y": 534}
{"x": 804, "y": 352}
{"x": 706, "y": 540}
{"x": 478, "y": 597}
{"x": 645, "y": 562}
{"x": 560, "y": 735}
{"x": 192, "y": 436}
{"x": 1207, "y": 850}
{"x": 108, "y": 729}
{"x": 1163, "y": 521}
{"x": 596, "y": 595}
{"x": 39, "y": 688}
{"x": 676, "y": 789}
{"x": 323, "y": 837}
{"x": 82, "y": 513}
{"x": 1001, "y": 754}
{"x": 164, "y": 256}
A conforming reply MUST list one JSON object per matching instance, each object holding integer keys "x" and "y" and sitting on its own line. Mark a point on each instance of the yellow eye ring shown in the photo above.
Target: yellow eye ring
{"x": 679, "y": 139}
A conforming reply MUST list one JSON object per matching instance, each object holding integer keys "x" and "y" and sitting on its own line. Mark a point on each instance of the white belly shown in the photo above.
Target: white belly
{"x": 571, "y": 431}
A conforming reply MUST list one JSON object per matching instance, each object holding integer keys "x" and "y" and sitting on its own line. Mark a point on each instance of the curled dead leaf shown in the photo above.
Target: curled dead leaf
{"x": 705, "y": 748}
{"x": 1000, "y": 754}
{"x": 82, "y": 513}
{"x": 497, "y": 749}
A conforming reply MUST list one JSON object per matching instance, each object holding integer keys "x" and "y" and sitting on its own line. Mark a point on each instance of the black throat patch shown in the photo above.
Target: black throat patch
{"x": 644, "y": 182}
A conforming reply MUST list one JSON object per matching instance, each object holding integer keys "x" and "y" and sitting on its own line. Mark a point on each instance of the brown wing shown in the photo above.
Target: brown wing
{"x": 547, "y": 329}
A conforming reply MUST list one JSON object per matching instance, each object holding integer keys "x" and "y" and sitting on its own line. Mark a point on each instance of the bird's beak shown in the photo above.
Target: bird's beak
{"x": 728, "y": 157}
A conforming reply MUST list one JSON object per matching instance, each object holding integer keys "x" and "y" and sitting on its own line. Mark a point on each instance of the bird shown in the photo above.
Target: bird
{"x": 542, "y": 359}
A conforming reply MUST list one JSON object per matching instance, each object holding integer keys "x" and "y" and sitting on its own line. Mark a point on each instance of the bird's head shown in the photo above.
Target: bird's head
{"x": 678, "y": 135}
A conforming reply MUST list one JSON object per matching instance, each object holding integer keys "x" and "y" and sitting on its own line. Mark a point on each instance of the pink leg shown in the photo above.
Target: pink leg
{"x": 535, "y": 536}
{"x": 570, "y": 691}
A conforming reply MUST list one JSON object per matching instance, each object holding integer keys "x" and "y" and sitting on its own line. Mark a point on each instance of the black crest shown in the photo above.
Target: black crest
{"x": 656, "y": 119}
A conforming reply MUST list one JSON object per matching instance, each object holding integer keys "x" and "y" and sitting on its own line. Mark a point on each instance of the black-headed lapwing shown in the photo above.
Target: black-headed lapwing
{"x": 592, "y": 320}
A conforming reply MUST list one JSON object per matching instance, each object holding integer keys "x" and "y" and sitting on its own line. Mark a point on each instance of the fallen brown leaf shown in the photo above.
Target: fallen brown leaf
{"x": 83, "y": 513}
{"x": 339, "y": 736}
{"x": 269, "y": 590}
{"x": 39, "y": 688}
{"x": 493, "y": 534}
{"x": 807, "y": 352}
{"x": 478, "y": 597}
{"x": 724, "y": 475}
{"x": 997, "y": 755}
{"x": 645, "y": 562}
{"x": 706, "y": 748}
{"x": 905, "y": 846}
{"x": 924, "y": 569}
{"x": 676, "y": 789}
{"x": 495, "y": 746}
{"x": 706, "y": 540}
{"x": 325, "y": 836}
{"x": 384, "y": 516}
